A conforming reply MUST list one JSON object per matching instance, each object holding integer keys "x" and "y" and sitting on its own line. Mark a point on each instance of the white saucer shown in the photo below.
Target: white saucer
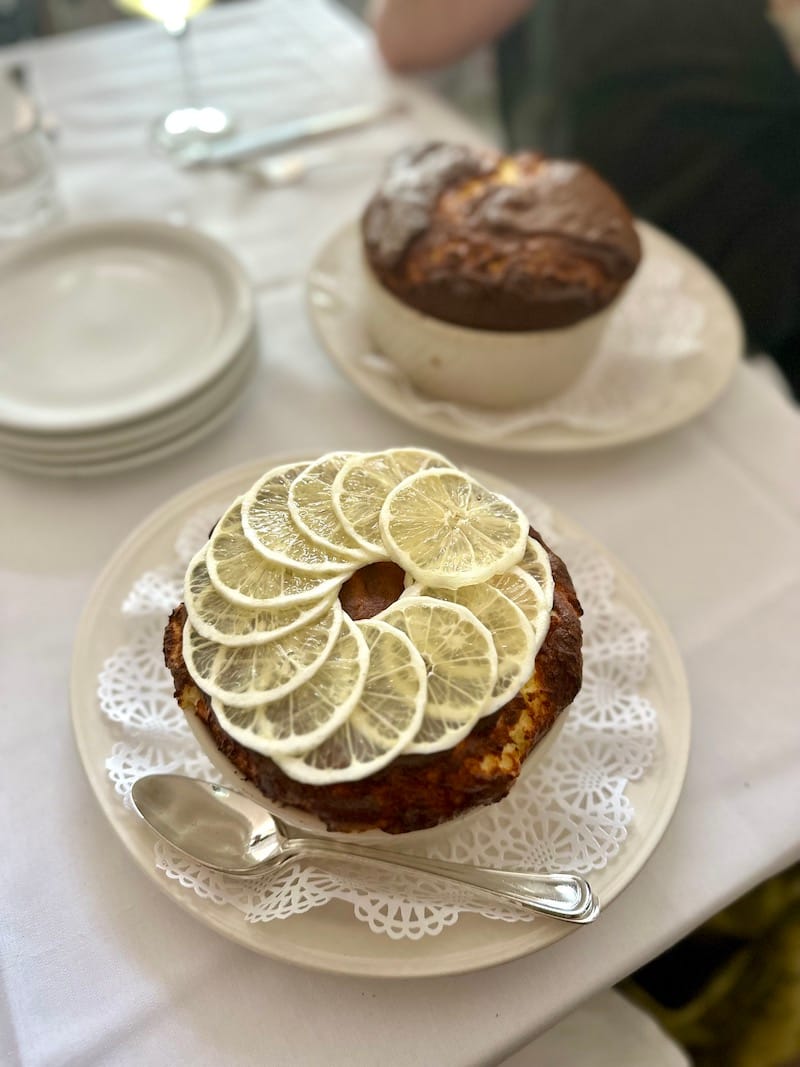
{"x": 107, "y": 323}
{"x": 330, "y": 938}
{"x": 336, "y": 294}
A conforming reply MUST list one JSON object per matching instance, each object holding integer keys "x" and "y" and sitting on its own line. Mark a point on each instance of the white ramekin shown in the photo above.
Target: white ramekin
{"x": 483, "y": 368}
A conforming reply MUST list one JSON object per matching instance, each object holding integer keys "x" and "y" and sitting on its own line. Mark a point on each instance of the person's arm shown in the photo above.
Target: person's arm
{"x": 421, "y": 34}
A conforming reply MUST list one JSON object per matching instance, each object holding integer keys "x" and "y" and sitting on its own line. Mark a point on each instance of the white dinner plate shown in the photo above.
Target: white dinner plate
{"x": 336, "y": 292}
{"x": 138, "y": 437}
{"x": 105, "y": 323}
{"x": 330, "y": 938}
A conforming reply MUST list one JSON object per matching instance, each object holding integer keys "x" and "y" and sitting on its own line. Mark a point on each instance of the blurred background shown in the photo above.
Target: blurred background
{"x": 729, "y": 993}
{"x": 468, "y": 84}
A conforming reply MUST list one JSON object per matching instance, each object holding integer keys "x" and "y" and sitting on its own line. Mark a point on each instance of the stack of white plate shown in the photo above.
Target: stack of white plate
{"x": 119, "y": 343}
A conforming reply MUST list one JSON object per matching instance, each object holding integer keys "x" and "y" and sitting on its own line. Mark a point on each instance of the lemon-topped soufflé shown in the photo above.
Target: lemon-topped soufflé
{"x": 375, "y": 639}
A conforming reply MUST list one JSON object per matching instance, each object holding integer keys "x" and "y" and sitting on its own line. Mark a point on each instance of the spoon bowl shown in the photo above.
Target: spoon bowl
{"x": 218, "y": 827}
{"x": 226, "y": 831}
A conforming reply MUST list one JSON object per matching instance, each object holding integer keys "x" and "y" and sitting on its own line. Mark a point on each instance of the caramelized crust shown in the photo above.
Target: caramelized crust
{"x": 415, "y": 792}
{"x": 498, "y": 242}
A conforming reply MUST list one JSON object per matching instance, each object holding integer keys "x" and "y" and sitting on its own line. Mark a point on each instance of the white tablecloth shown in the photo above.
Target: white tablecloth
{"x": 97, "y": 966}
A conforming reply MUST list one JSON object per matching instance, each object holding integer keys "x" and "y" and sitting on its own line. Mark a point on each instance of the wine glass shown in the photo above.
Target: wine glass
{"x": 195, "y": 123}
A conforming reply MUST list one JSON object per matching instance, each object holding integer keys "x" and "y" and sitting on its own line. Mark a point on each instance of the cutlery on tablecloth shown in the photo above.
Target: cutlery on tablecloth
{"x": 254, "y": 143}
{"x": 290, "y": 168}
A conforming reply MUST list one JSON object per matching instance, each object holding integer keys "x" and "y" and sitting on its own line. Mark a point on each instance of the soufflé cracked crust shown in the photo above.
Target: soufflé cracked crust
{"x": 498, "y": 242}
{"x": 376, "y": 639}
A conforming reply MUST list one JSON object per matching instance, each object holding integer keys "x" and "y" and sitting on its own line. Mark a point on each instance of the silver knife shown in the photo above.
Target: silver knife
{"x": 244, "y": 146}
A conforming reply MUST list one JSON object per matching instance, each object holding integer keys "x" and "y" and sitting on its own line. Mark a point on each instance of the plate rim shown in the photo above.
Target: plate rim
{"x": 128, "y": 461}
{"x": 136, "y": 428}
{"x": 138, "y": 842}
{"x": 549, "y": 437}
{"x": 240, "y": 316}
{"x": 143, "y": 437}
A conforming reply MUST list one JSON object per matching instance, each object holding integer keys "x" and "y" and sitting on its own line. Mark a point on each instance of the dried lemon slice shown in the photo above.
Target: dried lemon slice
{"x": 364, "y": 482}
{"x": 221, "y": 620}
{"x": 303, "y": 718}
{"x": 270, "y": 528}
{"x": 448, "y": 530}
{"x": 382, "y": 723}
{"x": 536, "y": 562}
{"x": 247, "y": 577}
{"x": 253, "y": 674}
{"x": 527, "y": 594}
{"x": 461, "y": 662}
{"x": 511, "y": 632}
{"x": 311, "y": 508}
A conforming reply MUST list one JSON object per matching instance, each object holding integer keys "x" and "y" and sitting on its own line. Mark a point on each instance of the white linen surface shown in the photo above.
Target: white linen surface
{"x": 606, "y": 1031}
{"x": 97, "y": 966}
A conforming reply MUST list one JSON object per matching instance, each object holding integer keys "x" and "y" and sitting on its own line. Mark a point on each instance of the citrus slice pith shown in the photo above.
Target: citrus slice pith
{"x": 253, "y": 674}
{"x": 228, "y": 623}
{"x": 536, "y": 562}
{"x": 382, "y": 723}
{"x": 448, "y": 530}
{"x": 461, "y": 664}
{"x": 247, "y": 577}
{"x": 364, "y": 482}
{"x": 527, "y": 594}
{"x": 311, "y": 508}
{"x": 269, "y": 527}
{"x": 307, "y": 715}
{"x": 513, "y": 636}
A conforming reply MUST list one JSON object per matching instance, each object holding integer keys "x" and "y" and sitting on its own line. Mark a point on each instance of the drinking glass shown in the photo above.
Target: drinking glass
{"x": 195, "y": 122}
{"x": 29, "y": 197}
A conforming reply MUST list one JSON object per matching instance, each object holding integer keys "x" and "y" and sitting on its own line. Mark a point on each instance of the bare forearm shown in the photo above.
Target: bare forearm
{"x": 420, "y": 34}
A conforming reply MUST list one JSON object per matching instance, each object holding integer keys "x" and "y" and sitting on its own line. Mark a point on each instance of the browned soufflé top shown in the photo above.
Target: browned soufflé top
{"x": 498, "y": 242}
{"x": 415, "y": 791}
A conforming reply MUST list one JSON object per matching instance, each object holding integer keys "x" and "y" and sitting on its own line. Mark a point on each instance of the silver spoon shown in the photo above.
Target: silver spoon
{"x": 228, "y": 832}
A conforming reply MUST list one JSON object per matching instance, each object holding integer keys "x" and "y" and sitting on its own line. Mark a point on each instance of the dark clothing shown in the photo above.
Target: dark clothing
{"x": 18, "y": 19}
{"x": 691, "y": 109}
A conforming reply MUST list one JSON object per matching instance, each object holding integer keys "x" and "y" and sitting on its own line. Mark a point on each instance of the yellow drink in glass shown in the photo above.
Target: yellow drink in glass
{"x": 184, "y": 128}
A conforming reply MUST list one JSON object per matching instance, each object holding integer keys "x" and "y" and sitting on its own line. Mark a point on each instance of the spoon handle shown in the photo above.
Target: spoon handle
{"x": 562, "y": 896}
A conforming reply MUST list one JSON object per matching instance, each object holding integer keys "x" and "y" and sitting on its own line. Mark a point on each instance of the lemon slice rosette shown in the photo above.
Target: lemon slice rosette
{"x": 247, "y": 675}
{"x": 461, "y": 663}
{"x": 448, "y": 530}
{"x": 229, "y": 623}
{"x": 527, "y": 594}
{"x": 303, "y": 718}
{"x": 312, "y": 511}
{"x": 384, "y": 720}
{"x": 244, "y": 576}
{"x": 361, "y": 486}
{"x": 332, "y": 701}
{"x": 271, "y": 530}
{"x": 510, "y": 631}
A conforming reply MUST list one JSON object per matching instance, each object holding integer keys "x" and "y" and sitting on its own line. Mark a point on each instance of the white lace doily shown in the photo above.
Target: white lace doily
{"x": 568, "y": 812}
